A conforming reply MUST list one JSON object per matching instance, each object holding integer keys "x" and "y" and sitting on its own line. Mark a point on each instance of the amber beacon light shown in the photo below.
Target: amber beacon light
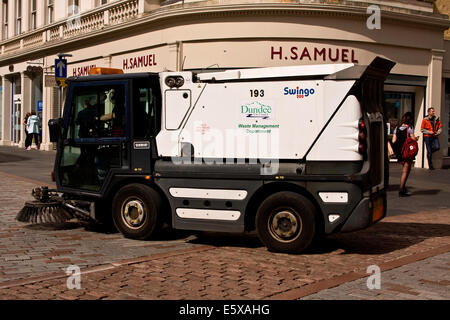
{"x": 103, "y": 71}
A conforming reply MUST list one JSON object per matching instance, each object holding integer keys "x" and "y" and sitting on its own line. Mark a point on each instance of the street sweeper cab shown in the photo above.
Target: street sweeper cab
{"x": 290, "y": 152}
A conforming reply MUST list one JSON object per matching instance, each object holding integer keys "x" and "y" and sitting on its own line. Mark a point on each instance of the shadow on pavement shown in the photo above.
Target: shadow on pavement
{"x": 430, "y": 192}
{"x": 383, "y": 238}
{"x": 219, "y": 239}
{"x": 55, "y": 226}
{"x": 393, "y": 187}
{"x": 7, "y": 157}
{"x": 415, "y": 191}
{"x": 166, "y": 234}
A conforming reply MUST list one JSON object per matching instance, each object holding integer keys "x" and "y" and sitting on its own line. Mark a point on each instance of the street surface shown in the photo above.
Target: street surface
{"x": 410, "y": 247}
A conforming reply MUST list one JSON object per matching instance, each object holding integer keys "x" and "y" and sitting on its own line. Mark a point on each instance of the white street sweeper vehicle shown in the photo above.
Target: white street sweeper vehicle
{"x": 291, "y": 152}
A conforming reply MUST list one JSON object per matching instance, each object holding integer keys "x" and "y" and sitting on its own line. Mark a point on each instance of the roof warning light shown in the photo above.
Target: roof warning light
{"x": 103, "y": 71}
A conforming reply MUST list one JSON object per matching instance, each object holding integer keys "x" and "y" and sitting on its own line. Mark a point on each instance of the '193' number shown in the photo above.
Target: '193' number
{"x": 256, "y": 93}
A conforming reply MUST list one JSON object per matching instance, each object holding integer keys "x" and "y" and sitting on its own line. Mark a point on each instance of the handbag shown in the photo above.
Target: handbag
{"x": 410, "y": 147}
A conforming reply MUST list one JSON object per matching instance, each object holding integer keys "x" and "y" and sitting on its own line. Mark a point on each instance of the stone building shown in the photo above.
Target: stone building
{"x": 153, "y": 35}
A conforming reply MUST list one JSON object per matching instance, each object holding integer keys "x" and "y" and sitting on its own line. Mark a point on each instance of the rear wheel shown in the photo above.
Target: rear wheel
{"x": 137, "y": 211}
{"x": 285, "y": 222}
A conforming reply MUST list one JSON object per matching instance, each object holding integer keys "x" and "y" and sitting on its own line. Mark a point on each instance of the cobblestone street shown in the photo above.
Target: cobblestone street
{"x": 28, "y": 250}
{"x": 427, "y": 279}
{"x": 411, "y": 250}
{"x": 203, "y": 266}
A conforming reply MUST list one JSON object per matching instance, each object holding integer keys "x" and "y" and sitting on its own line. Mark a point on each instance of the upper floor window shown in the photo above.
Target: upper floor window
{"x": 5, "y": 18}
{"x": 33, "y": 14}
{"x": 73, "y": 7}
{"x": 99, "y": 3}
{"x": 18, "y": 17}
{"x": 50, "y": 18}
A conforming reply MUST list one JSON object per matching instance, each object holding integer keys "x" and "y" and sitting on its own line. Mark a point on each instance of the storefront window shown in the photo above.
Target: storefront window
{"x": 396, "y": 104}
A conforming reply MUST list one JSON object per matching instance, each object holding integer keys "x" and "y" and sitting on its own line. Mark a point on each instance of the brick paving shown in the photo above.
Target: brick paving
{"x": 35, "y": 250}
{"x": 214, "y": 266}
{"x": 225, "y": 267}
{"x": 427, "y": 279}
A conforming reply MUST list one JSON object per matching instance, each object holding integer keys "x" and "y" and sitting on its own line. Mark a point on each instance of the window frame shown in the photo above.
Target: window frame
{"x": 99, "y": 3}
{"x": 5, "y": 19}
{"x": 96, "y": 140}
{"x": 33, "y": 14}
{"x": 119, "y": 142}
{"x": 50, "y": 12}
{"x": 18, "y": 27}
{"x": 153, "y": 88}
{"x": 73, "y": 7}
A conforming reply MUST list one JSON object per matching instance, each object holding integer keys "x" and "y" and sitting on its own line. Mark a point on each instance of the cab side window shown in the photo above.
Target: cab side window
{"x": 145, "y": 111}
{"x": 98, "y": 112}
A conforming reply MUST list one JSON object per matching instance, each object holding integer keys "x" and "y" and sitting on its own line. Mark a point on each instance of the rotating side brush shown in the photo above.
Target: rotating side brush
{"x": 47, "y": 208}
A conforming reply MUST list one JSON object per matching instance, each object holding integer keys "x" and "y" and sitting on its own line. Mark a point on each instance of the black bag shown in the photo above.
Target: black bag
{"x": 402, "y": 135}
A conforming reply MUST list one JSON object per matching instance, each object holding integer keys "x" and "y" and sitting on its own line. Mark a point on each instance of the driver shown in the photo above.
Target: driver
{"x": 86, "y": 120}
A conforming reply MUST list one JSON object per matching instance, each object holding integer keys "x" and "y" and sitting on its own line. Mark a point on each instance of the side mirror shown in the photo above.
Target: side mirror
{"x": 55, "y": 128}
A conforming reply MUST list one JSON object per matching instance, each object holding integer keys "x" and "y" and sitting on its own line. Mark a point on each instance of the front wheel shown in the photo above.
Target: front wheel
{"x": 285, "y": 222}
{"x": 136, "y": 211}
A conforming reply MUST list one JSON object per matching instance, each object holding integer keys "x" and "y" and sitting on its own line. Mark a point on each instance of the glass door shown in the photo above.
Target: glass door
{"x": 396, "y": 104}
{"x": 17, "y": 116}
{"x": 96, "y": 134}
{"x": 146, "y": 124}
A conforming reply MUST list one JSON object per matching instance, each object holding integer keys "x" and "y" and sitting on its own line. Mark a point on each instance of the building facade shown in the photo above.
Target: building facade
{"x": 153, "y": 35}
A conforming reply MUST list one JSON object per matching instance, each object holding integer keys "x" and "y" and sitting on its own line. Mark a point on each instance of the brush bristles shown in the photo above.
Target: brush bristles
{"x": 40, "y": 213}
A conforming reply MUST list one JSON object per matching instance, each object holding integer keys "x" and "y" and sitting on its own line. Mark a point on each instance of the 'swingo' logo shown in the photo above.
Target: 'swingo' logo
{"x": 300, "y": 93}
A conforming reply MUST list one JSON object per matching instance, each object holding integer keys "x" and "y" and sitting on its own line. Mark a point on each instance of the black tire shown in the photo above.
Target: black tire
{"x": 285, "y": 222}
{"x": 137, "y": 211}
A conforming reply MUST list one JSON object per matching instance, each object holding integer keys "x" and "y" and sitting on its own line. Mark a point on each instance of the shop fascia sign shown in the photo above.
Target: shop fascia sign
{"x": 82, "y": 70}
{"x": 127, "y": 63}
{"x": 313, "y": 54}
{"x": 139, "y": 61}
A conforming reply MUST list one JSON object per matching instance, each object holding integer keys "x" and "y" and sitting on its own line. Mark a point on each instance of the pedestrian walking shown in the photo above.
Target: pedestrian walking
{"x": 401, "y": 134}
{"x": 27, "y": 135}
{"x": 431, "y": 128}
{"x": 34, "y": 124}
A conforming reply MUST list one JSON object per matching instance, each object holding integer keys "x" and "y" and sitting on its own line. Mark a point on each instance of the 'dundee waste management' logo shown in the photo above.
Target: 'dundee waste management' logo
{"x": 256, "y": 110}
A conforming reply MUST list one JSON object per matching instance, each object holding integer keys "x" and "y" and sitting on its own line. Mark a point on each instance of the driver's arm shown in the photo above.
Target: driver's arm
{"x": 107, "y": 116}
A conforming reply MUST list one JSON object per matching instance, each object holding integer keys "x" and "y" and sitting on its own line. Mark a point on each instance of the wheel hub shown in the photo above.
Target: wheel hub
{"x": 133, "y": 213}
{"x": 285, "y": 225}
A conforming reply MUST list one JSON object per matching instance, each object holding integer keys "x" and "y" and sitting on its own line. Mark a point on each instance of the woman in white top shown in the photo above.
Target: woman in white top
{"x": 34, "y": 124}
